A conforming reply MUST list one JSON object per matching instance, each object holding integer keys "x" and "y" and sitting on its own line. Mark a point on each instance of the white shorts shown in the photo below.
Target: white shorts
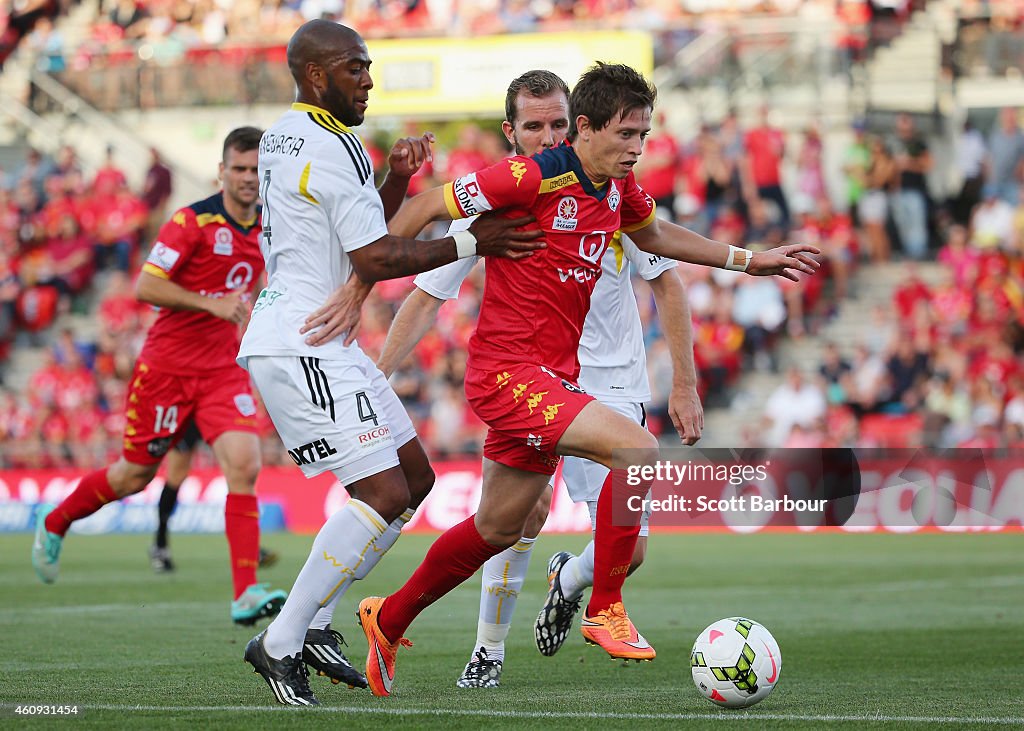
{"x": 337, "y": 415}
{"x": 584, "y": 479}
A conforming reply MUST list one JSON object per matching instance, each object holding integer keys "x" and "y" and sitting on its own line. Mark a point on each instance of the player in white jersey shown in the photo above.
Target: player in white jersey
{"x": 334, "y": 410}
{"x": 614, "y": 370}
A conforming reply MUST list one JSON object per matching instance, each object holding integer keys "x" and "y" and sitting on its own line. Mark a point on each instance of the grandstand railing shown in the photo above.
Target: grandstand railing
{"x": 987, "y": 49}
{"x": 49, "y": 94}
{"x": 758, "y": 53}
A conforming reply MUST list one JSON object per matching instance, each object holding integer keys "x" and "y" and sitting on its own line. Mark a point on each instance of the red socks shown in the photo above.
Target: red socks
{"x": 242, "y": 527}
{"x": 453, "y": 558}
{"x": 92, "y": 493}
{"x": 614, "y": 540}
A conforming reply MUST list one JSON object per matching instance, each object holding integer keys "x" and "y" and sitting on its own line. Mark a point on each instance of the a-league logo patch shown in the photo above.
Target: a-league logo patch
{"x": 222, "y": 242}
{"x": 565, "y": 219}
{"x": 245, "y": 404}
{"x": 163, "y": 257}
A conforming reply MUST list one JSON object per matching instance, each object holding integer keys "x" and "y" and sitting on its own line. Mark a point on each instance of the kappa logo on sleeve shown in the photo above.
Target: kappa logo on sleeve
{"x": 163, "y": 256}
{"x": 518, "y": 170}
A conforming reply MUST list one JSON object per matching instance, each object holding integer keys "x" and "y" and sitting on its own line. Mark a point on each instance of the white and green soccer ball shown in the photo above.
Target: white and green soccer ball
{"x": 735, "y": 662}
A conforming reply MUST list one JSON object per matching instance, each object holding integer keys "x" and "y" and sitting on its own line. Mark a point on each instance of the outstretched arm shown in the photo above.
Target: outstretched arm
{"x": 674, "y": 315}
{"x": 417, "y": 212}
{"x": 675, "y": 242}
{"x": 416, "y": 315}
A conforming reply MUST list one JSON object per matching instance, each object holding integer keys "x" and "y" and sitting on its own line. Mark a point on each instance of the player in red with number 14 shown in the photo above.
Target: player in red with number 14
{"x": 201, "y": 273}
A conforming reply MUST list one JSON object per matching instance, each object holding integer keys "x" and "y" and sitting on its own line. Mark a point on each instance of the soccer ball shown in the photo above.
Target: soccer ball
{"x": 735, "y": 662}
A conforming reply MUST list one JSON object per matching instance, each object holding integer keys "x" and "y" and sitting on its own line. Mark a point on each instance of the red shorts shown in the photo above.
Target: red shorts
{"x": 527, "y": 408}
{"x": 160, "y": 404}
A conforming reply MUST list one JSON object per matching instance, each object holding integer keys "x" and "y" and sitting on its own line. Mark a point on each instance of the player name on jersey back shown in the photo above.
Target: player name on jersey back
{"x": 319, "y": 204}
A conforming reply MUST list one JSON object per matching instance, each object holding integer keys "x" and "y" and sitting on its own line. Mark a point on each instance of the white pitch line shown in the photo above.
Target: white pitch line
{"x": 583, "y": 715}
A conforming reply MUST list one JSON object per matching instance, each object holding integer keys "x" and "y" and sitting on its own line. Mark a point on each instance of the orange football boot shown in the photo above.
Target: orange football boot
{"x": 611, "y": 630}
{"x": 380, "y": 660}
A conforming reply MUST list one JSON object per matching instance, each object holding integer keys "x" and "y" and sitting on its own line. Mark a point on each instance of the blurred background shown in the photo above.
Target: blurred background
{"x": 887, "y": 132}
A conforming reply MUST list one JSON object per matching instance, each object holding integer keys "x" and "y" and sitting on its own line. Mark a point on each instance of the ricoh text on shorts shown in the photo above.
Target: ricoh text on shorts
{"x": 337, "y": 415}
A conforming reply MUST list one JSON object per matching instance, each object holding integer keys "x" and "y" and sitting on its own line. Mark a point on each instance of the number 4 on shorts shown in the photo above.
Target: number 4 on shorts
{"x": 364, "y": 409}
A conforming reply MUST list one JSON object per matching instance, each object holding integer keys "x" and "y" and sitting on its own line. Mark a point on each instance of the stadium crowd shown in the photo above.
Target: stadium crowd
{"x": 941, "y": 364}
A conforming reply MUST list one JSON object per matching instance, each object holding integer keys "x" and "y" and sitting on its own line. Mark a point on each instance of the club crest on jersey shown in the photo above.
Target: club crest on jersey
{"x": 613, "y": 199}
{"x": 163, "y": 257}
{"x": 222, "y": 242}
{"x": 245, "y": 404}
{"x": 565, "y": 218}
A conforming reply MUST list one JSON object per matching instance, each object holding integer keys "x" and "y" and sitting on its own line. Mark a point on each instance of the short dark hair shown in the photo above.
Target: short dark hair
{"x": 536, "y": 83}
{"x": 607, "y": 89}
{"x": 241, "y": 139}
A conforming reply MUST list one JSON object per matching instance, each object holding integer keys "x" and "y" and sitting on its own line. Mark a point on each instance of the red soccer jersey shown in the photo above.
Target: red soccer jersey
{"x": 533, "y": 309}
{"x": 203, "y": 250}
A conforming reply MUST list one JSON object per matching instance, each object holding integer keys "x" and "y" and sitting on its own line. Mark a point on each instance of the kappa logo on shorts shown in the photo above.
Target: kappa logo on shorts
{"x": 309, "y": 453}
{"x": 245, "y": 404}
{"x": 551, "y": 413}
{"x": 534, "y": 399}
{"x": 158, "y": 447}
{"x": 375, "y": 436}
{"x": 535, "y": 440}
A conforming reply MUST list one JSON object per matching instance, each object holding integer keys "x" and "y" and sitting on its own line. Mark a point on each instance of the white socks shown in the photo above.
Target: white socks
{"x": 387, "y": 540}
{"x": 578, "y": 573}
{"x": 502, "y": 579}
{"x": 345, "y": 542}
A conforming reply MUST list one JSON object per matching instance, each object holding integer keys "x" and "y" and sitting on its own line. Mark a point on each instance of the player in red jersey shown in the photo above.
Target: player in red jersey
{"x": 201, "y": 273}
{"x": 520, "y": 377}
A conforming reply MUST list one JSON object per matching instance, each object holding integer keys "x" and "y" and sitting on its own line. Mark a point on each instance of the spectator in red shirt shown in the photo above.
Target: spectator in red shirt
{"x": 109, "y": 177}
{"x": 121, "y": 216}
{"x": 910, "y": 291}
{"x": 765, "y": 148}
{"x": 656, "y": 171}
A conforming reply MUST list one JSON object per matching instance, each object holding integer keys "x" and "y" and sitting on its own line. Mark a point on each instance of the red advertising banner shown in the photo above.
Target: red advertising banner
{"x": 902, "y": 494}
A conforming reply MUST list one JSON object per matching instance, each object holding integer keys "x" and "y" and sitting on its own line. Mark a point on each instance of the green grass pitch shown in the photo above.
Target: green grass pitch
{"x": 879, "y": 631}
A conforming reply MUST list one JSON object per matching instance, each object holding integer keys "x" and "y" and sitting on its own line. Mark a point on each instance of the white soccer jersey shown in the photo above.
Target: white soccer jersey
{"x": 612, "y": 356}
{"x": 613, "y": 362}
{"x": 319, "y": 202}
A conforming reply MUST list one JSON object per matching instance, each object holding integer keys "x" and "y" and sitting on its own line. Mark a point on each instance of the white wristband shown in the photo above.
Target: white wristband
{"x": 739, "y": 259}
{"x": 465, "y": 243}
